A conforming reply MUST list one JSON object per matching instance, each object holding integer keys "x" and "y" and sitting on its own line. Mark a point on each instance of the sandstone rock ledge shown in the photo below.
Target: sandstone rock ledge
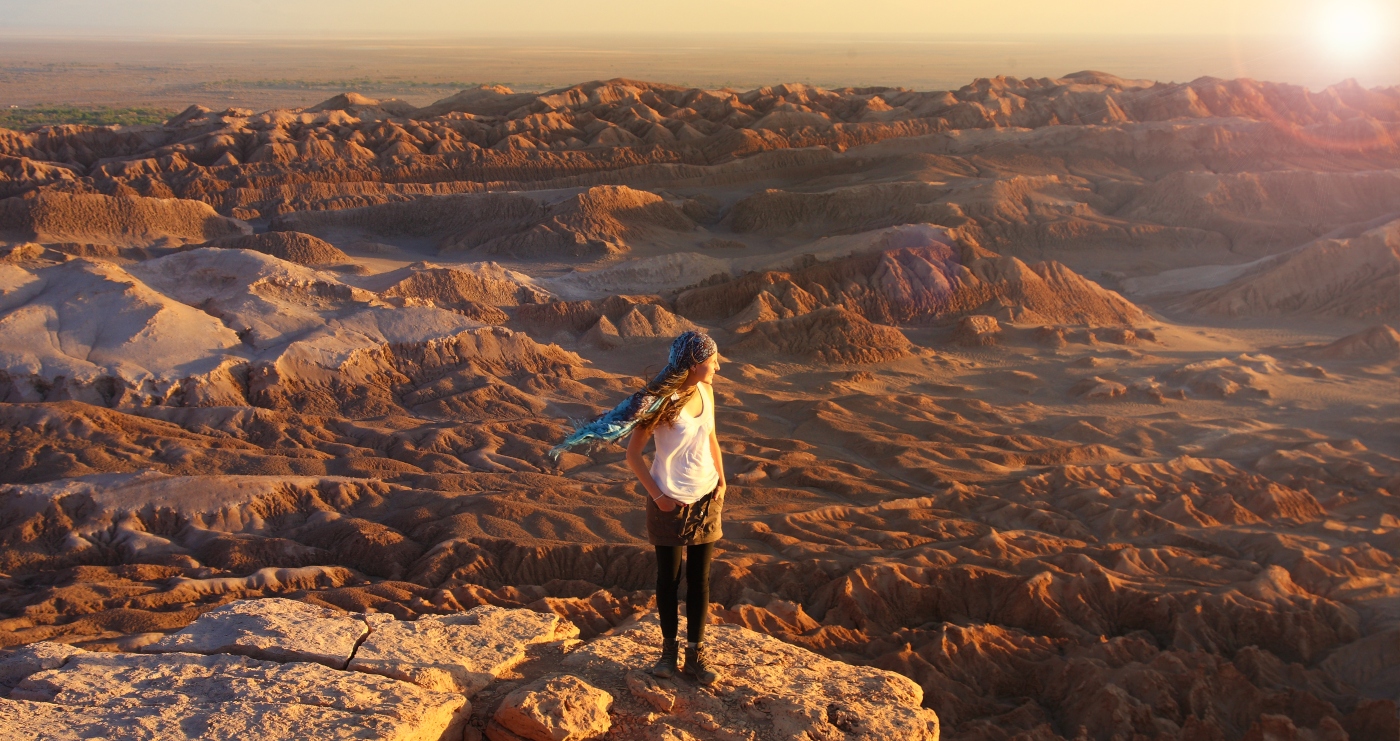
{"x": 268, "y": 670}
{"x": 275, "y": 629}
{"x": 180, "y": 696}
{"x": 767, "y": 689}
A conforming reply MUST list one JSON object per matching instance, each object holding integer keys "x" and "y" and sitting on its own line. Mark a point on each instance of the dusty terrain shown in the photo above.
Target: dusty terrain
{"x": 1072, "y": 400}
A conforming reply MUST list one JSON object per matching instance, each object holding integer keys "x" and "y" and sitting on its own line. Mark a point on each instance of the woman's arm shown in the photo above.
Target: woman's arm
{"x": 714, "y": 449}
{"x": 635, "y": 444}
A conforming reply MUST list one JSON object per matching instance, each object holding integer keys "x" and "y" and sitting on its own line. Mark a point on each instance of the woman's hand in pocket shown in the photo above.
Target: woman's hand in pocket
{"x": 665, "y": 503}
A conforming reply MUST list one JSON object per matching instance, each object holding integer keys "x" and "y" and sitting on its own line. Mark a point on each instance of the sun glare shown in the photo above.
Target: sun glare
{"x": 1351, "y": 29}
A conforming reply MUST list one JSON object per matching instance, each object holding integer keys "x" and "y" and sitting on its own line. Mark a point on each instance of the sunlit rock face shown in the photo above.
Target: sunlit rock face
{"x": 1050, "y": 408}
{"x": 278, "y": 668}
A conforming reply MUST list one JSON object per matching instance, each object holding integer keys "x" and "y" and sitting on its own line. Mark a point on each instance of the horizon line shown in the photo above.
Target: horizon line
{"x": 556, "y": 36}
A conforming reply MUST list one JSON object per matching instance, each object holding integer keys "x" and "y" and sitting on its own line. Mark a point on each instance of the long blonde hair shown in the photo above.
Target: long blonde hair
{"x": 654, "y": 402}
{"x": 670, "y": 407}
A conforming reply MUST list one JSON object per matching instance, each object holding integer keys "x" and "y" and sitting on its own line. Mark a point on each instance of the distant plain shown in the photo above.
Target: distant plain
{"x": 281, "y": 73}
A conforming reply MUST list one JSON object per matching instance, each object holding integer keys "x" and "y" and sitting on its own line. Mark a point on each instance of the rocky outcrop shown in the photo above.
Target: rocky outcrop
{"x": 1095, "y": 388}
{"x": 202, "y": 681}
{"x": 931, "y": 281}
{"x": 606, "y": 322}
{"x": 433, "y": 664}
{"x": 978, "y": 330}
{"x": 561, "y": 708}
{"x": 591, "y": 223}
{"x": 765, "y": 687}
{"x": 217, "y": 327}
{"x": 486, "y": 283}
{"x": 116, "y": 327}
{"x": 1357, "y": 278}
{"x": 108, "y": 220}
{"x": 302, "y": 249}
{"x": 828, "y": 335}
{"x": 1380, "y": 342}
{"x": 454, "y": 653}
{"x": 1245, "y": 375}
{"x": 835, "y": 310}
{"x": 33, "y": 658}
{"x": 21, "y": 174}
{"x": 187, "y": 696}
{"x": 275, "y": 629}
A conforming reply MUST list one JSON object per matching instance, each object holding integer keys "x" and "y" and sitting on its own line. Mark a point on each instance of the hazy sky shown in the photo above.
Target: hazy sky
{"x": 322, "y": 18}
{"x": 169, "y": 52}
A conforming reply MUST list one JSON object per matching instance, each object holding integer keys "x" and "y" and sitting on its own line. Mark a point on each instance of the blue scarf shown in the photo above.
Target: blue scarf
{"x": 688, "y": 350}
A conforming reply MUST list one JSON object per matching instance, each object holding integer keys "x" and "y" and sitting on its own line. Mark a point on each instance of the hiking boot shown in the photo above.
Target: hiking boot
{"x": 666, "y": 666}
{"x": 697, "y": 666}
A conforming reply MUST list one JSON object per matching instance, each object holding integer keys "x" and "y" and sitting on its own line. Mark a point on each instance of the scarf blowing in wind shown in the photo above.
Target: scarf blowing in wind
{"x": 690, "y": 349}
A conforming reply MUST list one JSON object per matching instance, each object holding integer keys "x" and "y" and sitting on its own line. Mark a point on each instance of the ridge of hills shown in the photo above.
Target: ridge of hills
{"x": 623, "y": 112}
{"x": 233, "y": 325}
{"x": 1225, "y": 170}
{"x": 1357, "y": 277}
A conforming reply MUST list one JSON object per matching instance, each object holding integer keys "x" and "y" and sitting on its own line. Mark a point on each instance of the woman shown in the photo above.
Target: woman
{"x": 684, "y": 483}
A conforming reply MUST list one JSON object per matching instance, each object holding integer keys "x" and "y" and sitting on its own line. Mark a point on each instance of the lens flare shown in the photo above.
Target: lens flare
{"x": 1351, "y": 29}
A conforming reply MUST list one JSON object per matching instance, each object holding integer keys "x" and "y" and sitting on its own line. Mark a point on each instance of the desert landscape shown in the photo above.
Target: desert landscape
{"x": 1052, "y": 408}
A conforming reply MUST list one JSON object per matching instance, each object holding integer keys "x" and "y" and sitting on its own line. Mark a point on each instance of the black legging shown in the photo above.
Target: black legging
{"x": 697, "y": 590}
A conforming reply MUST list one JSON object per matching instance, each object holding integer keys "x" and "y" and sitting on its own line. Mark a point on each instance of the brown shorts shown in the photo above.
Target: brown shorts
{"x": 690, "y": 524}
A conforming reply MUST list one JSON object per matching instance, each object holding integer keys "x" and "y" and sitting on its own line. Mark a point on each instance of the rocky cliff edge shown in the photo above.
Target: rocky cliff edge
{"x": 279, "y": 669}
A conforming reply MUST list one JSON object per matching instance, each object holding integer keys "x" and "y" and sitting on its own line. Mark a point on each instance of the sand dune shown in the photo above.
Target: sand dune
{"x": 321, "y": 354}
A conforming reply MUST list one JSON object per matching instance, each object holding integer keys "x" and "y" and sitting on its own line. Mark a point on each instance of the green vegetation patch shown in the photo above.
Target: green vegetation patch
{"x": 23, "y": 118}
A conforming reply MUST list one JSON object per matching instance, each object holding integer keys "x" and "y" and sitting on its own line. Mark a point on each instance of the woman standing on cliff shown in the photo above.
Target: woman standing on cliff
{"x": 684, "y": 483}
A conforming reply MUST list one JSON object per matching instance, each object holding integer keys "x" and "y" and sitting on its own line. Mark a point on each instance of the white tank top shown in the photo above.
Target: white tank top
{"x": 684, "y": 466}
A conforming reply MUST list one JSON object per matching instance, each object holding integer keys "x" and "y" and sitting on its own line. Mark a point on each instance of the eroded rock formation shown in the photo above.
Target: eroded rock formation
{"x": 318, "y": 356}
